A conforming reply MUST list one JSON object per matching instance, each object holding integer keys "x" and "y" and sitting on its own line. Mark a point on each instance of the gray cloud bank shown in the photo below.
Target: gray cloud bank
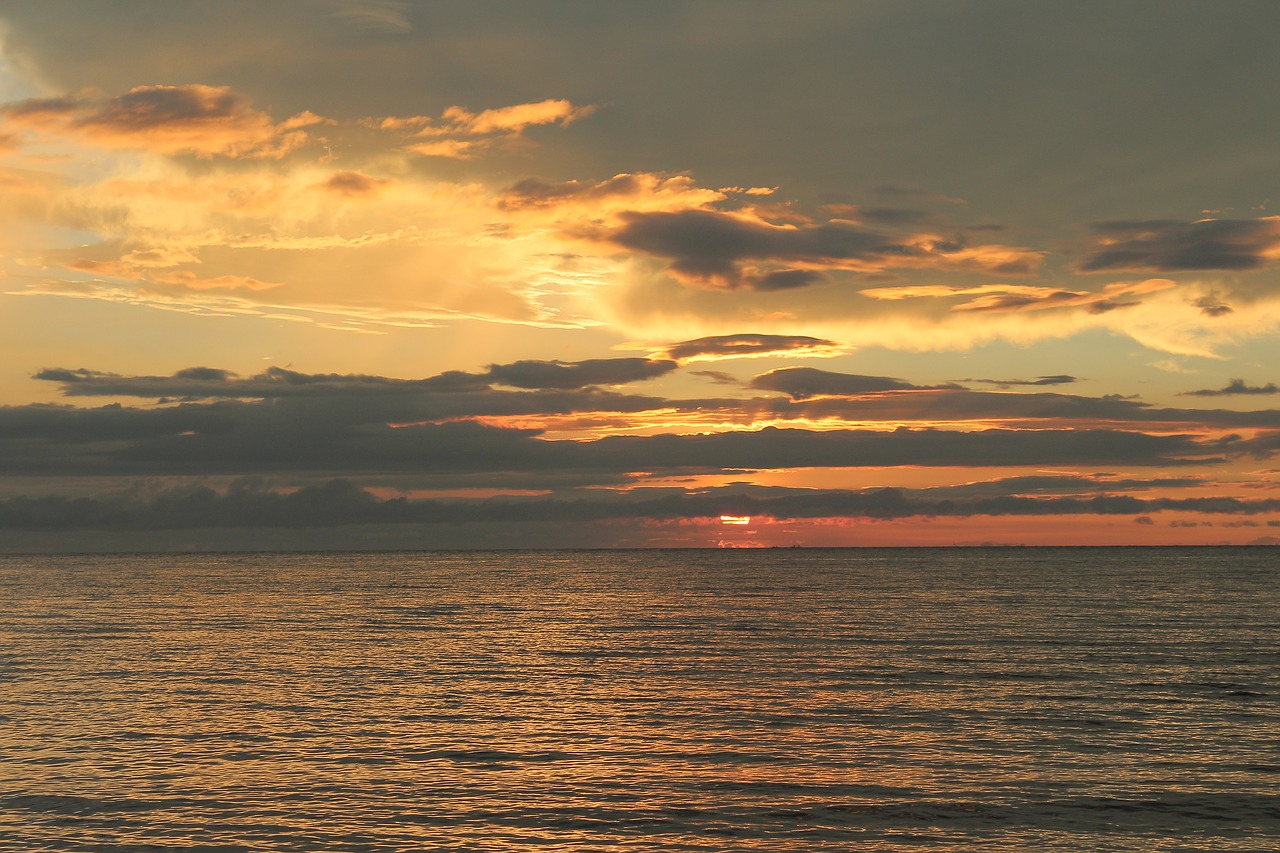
{"x": 341, "y": 502}
{"x": 349, "y": 425}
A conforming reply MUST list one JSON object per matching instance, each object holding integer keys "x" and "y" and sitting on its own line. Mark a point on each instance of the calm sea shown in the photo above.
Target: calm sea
{"x": 990, "y": 699}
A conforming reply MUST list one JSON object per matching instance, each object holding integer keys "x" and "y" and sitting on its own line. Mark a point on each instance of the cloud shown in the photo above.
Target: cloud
{"x": 249, "y": 503}
{"x": 275, "y": 382}
{"x": 1005, "y": 298}
{"x": 626, "y": 191}
{"x": 465, "y": 134}
{"x": 719, "y": 347}
{"x": 720, "y": 249}
{"x": 825, "y": 395}
{"x": 581, "y": 374}
{"x": 1056, "y": 379}
{"x": 805, "y": 382}
{"x": 422, "y": 250}
{"x": 387, "y": 16}
{"x": 285, "y": 421}
{"x": 455, "y": 149}
{"x": 554, "y": 389}
{"x": 894, "y": 215}
{"x": 233, "y": 445}
{"x": 353, "y": 184}
{"x": 717, "y": 376}
{"x": 191, "y": 281}
{"x": 1235, "y": 386}
{"x": 516, "y": 118}
{"x": 1211, "y": 305}
{"x": 190, "y": 119}
{"x": 1168, "y": 245}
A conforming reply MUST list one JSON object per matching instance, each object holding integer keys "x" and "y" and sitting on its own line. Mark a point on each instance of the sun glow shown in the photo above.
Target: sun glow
{"x": 735, "y": 519}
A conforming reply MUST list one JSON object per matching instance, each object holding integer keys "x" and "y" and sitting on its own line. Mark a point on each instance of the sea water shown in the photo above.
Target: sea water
{"x": 788, "y": 699}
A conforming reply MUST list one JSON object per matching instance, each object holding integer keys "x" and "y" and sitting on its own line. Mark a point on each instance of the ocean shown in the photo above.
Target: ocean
{"x": 993, "y": 699}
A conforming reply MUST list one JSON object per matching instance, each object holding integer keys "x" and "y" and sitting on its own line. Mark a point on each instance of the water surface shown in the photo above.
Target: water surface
{"x": 1001, "y": 699}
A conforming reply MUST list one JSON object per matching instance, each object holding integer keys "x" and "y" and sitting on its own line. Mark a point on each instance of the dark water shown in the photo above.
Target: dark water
{"x": 1004, "y": 699}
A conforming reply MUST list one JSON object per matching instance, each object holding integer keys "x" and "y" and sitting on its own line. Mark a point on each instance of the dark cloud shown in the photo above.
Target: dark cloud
{"x": 721, "y": 249}
{"x": 962, "y": 405}
{"x": 203, "y": 382}
{"x": 1056, "y": 379}
{"x": 781, "y": 279}
{"x": 804, "y": 382}
{"x": 368, "y": 433}
{"x": 796, "y": 448}
{"x": 206, "y": 382}
{"x": 191, "y": 118}
{"x": 1235, "y": 386}
{"x": 39, "y": 109}
{"x": 200, "y": 374}
{"x": 354, "y": 184}
{"x": 1212, "y": 305}
{"x": 725, "y": 346}
{"x": 1002, "y": 302}
{"x": 717, "y": 376}
{"x": 579, "y": 374}
{"x": 342, "y": 503}
{"x": 1106, "y": 305}
{"x": 894, "y": 215}
{"x": 1168, "y": 245}
{"x": 148, "y": 107}
{"x": 550, "y": 389}
{"x": 824, "y": 394}
{"x": 1059, "y": 484}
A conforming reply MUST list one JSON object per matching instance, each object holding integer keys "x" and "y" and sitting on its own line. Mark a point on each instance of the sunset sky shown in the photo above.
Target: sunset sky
{"x": 367, "y": 274}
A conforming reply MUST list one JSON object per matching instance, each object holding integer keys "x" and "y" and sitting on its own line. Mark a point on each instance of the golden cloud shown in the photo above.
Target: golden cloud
{"x": 591, "y": 200}
{"x": 465, "y": 134}
{"x": 515, "y": 119}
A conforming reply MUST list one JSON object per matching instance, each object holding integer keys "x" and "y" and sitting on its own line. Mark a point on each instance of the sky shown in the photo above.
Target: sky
{"x": 379, "y": 274}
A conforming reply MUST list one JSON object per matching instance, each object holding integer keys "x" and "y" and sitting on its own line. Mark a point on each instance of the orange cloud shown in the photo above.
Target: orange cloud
{"x": 456, "y": 149}
{"x": 515, "y": 119}
{"x": 190, "y": 119}
{"x": 465, "y": 134}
